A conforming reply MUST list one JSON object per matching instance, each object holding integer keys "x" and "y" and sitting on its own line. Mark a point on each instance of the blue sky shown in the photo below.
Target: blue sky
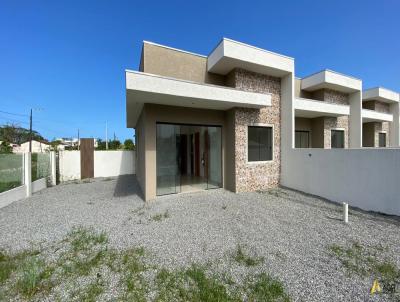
{"x": 67, "y": 59}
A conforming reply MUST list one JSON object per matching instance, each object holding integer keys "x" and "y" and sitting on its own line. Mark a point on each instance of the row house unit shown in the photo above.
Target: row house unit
{"x": 229, "y": 119}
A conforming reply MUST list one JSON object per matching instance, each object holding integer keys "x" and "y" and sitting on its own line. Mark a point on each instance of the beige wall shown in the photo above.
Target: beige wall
{"x": 317, "y": 134}
{"x": 140, "y": 138}
{"x": 301, "y": 93}
{"x": 368, "y": 134}
{"x": 177, "y": 64}
{"x": 169, "y": 114}
{"x": 230, "y": 179}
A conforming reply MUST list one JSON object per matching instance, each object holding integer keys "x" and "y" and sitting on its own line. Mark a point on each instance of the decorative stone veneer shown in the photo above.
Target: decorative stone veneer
{"x": 342, "y": 122}
{"x": 330, "y": 123}
{"x": 377, "y": 106}
{"x": 382, "y": 107}
{"x": 331, "y": 96}
{"x": 252, "y": 176}
{"x": 381, "y": 127}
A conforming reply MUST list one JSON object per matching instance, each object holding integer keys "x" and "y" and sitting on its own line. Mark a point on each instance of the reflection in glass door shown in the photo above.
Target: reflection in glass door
{"x": 168, "y": 176}
{"x": 189, "y": 158}
{"x": 214, "y": 179}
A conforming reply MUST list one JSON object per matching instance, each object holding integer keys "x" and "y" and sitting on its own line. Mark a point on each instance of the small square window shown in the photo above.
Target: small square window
{"x": 259, "y": 143}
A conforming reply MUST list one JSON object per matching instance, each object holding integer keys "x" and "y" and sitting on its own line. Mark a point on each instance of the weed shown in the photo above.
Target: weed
{"x": 10, "y": 263}
{"x": 191, "y": 284}
{"x": 224, "y": 207}
{"x": 240, "y": 257}
{"x": 34, "y": 276}
{"x": 265, "y": 288}
{"x": 366, "y": 262}
{"x": 160, "y": 217}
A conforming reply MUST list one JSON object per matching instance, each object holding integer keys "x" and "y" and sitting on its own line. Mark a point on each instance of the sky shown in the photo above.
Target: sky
{"x": 67, "y": 59}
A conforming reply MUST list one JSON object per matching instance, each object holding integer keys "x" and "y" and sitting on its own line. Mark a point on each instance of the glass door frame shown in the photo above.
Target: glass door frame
{"x": 208, "y": 155}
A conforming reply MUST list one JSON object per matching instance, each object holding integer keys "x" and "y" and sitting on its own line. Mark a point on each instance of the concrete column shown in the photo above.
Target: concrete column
{"x": 394, "y": 139}
{"x": 355, "y": 120}
{"x": 53, "y": 166}
{"x": 28, "y": 173}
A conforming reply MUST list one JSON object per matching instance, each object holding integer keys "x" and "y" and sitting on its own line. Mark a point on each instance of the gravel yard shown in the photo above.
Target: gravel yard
{"x": 291, "y": 235}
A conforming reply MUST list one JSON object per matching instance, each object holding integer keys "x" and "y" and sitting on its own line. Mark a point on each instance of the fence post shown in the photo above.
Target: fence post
{"x": 53, "y": 168}
{"x": 28, "y": 173}
{"x": 345, "y": 212}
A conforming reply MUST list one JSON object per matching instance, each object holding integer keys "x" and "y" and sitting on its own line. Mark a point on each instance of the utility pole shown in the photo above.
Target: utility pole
{"x": 78, "y": 140}
{"x": 106, "y": 137}
{"x": 30, "y": 132}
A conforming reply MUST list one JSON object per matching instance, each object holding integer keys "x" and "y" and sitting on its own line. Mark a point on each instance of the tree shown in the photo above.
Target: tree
{"x": 5, "y": 148}
{"x": 17, "y": 135}
{"x": 114, "y": 144}
{"x": 129, "y": 145}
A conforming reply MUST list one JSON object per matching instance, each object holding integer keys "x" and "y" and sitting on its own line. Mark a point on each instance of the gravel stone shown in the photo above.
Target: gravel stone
{"x": 290, "y": 230}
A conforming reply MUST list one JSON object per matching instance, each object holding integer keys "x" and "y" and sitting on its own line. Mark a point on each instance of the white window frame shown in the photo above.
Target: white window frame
{"x": 247, "y": 143}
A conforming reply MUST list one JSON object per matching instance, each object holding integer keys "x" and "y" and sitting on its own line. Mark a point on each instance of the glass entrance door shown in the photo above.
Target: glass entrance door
{"x": 168, "y": 176}
{"x": 189, "y": 158}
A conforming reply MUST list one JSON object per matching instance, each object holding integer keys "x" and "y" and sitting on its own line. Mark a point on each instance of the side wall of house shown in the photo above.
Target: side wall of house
{"x": 172, "y": 63}
{"x": 140, "y": 156}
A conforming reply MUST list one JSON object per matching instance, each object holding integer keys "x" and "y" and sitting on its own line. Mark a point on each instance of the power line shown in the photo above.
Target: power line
{"x": 17, "y": 114}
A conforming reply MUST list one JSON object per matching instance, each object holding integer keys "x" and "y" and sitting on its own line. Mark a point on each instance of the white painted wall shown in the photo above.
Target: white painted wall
{"x": 106, "y": 164}
{"x": 69, "y": 165}
{"x": 365, "y": 178}
{"x": 113, "y": 163}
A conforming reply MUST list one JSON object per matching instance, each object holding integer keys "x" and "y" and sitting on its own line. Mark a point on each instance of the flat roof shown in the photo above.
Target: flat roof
{"x": 380, "y": 94}
{"x": 330, "y": 79}
{"x": 230, "y": 54}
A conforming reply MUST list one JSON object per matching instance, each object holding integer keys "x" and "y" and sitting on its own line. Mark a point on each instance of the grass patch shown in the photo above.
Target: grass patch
{"x": 160, "y": 217}
{"x": 192, "y": 284}
{"x": 265, "y": 288}
{"x": 79, "y": 261}
{"x": 91, "y": 292}
{"x": 369, "y": 262}
{"x": 242, "y": 258}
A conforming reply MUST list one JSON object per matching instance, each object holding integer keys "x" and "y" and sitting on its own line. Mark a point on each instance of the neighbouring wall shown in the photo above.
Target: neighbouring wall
{"x": 113, "y": 163}
{"x": 365, "y": 178}
{"x": 69, "y": 163}
{"x": 106, "y": 164}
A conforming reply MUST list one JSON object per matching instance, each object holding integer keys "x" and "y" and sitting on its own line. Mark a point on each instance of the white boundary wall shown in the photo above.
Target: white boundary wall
{"x": 69, "y": 165}
{"x": 113, "y": 163}
{"x": 365, "y": 178}
{"x": 106, "y": 164}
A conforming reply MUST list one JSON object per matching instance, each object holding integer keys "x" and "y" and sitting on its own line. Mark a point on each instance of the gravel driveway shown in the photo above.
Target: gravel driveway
{"x": 290, "y": 230}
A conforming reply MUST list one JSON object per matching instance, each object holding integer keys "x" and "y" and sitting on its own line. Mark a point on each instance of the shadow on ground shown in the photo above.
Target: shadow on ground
{"x": 127, "y": 185}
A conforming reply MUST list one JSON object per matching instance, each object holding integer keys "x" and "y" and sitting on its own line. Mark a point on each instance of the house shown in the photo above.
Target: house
{"x": 233, "y": 119}
{"x": 37, "y": 147}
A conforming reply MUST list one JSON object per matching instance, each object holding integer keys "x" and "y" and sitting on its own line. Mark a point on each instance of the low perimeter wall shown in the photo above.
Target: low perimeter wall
{"x": 106, "y": 164}
{"x": 365, "y": 178}
{"x": 18, "y": 193}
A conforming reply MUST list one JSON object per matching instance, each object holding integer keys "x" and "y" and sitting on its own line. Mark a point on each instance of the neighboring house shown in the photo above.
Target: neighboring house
{"x": 37, "y": 147}
{"x": 231, "y": 119}
{"x": 73, "y": 142}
